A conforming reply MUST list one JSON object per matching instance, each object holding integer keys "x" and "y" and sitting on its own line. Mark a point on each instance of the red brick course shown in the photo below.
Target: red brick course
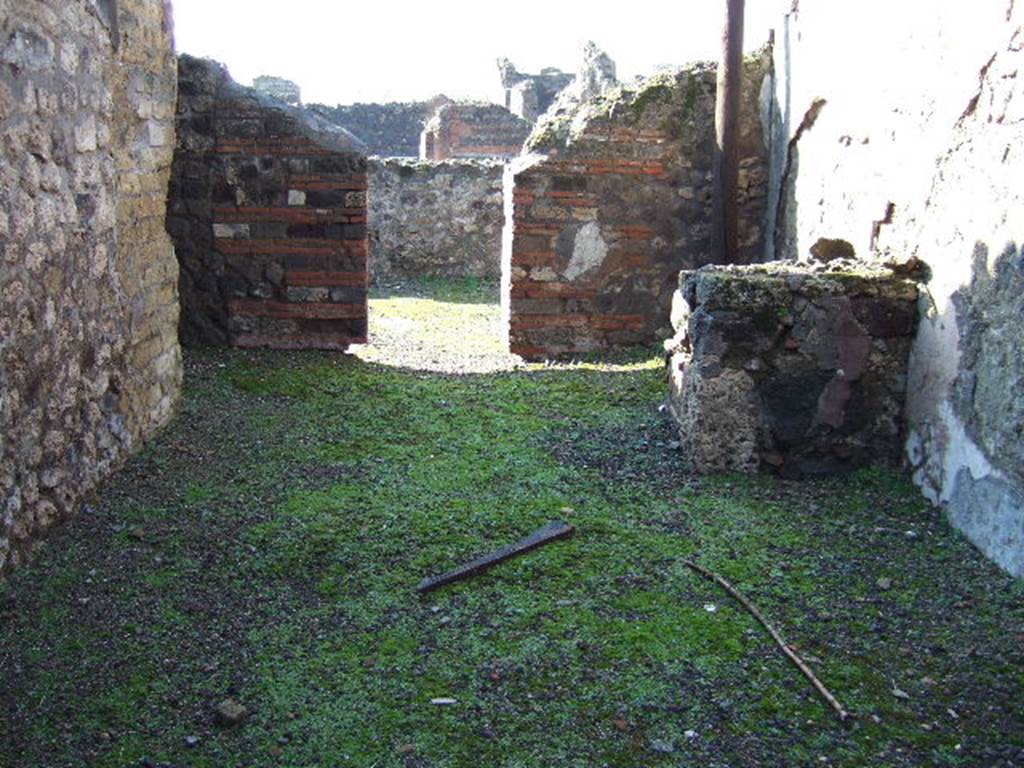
{"x": 329, "y": 262}
{"x": 602, "y": 224}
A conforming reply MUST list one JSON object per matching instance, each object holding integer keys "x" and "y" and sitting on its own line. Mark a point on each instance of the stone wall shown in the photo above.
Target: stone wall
{"x": 435, "y": 219}
{"x": 269, "y": 217}
{"x": 612, "y": 202}
{"x": 800, "y": 370}
{"x": 89, "y": 357}
{"x": 915, "y": 155}
{"x": 468, "y": 130}
{"x": 387, "y": 130}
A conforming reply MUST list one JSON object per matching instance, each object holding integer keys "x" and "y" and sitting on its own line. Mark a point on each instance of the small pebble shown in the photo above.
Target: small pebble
{"x": 230, "y": 713}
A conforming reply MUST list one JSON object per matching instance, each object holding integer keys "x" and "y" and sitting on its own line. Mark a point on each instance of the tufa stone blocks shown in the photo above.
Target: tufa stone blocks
{"x": 89, "y": 359}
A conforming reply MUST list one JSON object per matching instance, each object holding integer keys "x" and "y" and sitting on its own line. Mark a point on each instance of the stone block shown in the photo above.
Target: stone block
{"x": 774, "y": 366}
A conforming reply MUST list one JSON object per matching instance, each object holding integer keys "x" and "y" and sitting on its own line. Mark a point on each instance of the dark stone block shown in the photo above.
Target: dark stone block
{"x": 336, "y": 164}
{"x": 202, "y": 125}
{"x": 884, "y": 317}
{"x": 222, "y": 193}
{"x": 790, "y": 404}
{"x": 326, "y": 199}
{"x": 318, "y": 231}
{"x": 569, "y": 183}
{"x": 268, "y": 229}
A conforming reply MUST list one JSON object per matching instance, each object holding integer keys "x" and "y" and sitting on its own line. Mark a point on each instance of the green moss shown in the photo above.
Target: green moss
{"x": 293, "y": 507}
{"x": 658, "y": 93}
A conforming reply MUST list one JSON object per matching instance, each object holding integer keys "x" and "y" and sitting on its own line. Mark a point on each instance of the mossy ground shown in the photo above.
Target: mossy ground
{"x": 266, "y": 546}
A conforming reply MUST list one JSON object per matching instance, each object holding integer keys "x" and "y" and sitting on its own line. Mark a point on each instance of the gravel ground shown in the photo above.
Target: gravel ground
{"x": 442, "y": 328}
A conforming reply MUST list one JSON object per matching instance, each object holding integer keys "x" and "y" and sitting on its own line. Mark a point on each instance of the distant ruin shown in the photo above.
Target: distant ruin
{"x": 530, "y": 96}
{"x": 280, "y": 88}
{"x": 469, "y": 130}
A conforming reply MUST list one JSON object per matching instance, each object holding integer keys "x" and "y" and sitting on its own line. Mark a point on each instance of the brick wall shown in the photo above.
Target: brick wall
{"x": 269, "y": 215}
{"x": 613, "y": 201}
{"x": 89, "y": 360}
{"x": 468, "y": 130}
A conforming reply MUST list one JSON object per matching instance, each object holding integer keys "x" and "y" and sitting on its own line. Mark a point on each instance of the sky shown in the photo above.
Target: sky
{"x": 342, "y": 52}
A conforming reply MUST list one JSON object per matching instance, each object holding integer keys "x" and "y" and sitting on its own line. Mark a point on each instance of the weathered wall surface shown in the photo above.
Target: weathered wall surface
{"x": 916, "y": 154}
{"x": 613, "y": 202}
{"x": 89, "y": 357}
{"x": 387, "y": 130}
{"x": 468, "y": 130}
{"x": 269, "y": 216}
{"x": 796, "y": 369}
{"x": 435, "y": 219}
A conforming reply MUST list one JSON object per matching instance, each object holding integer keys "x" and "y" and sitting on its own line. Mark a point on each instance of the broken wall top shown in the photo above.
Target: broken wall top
{"x": 268, "y": 115}
{"x": 671, "y": 102}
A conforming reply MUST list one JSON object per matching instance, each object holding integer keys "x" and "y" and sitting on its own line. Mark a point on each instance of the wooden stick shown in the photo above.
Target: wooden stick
{"x": 800, "y": 664}
{"x": 540, "y": 537}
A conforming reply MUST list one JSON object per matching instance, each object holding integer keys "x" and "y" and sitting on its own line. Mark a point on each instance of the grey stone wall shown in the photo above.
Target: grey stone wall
{"x": 796, "y": 369}
{"x": 89, "y": 358}
{"x": 387, "y": 130}
{"x": 915, "y": 155}
{"x": 435, "y": 219}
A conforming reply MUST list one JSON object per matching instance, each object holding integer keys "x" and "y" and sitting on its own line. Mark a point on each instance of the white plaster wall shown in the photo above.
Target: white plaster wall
{"x": 922, "y": 118}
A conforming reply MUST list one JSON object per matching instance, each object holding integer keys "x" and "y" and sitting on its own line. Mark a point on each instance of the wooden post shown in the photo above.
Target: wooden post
{"x": 726, "y": 166}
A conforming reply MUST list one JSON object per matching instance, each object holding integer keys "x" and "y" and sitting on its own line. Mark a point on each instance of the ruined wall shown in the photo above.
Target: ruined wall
{"x": 89, "y": 357}
{"x": 529, "y": 96}
{"x": 467, "y": 130}
{"x": 387, "y": 130}
{"x": 435, "y": 219}
{"x": 268, "y": 214}
{"x": 612, "y": 202}
{"x": 915, "y": 154}
{"x": 796, "y": 369}
{"x": 280, "y": 88}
